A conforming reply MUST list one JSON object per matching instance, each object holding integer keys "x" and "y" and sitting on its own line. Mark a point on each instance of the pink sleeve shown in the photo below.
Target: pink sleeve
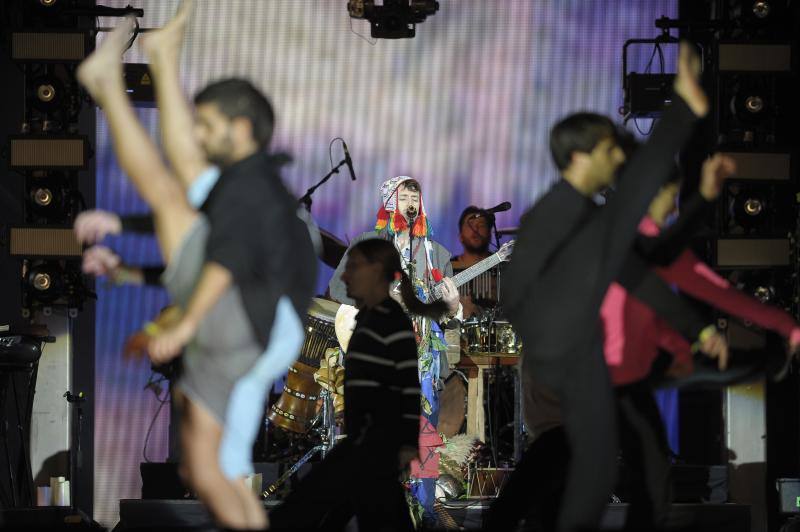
{"x": 698, "y": 280}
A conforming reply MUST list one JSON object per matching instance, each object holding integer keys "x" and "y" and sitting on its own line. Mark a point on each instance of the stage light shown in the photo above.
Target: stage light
{"x": 761, "y": 9}
{"x": 31, "y": 152}
{"x": 48, "y": 201}
{"x": 753, "y": 252}
{"x": 394, "y": 19}
{"x": 760, "y": 209}
{"x": 44, "y": 242}
{"x": 44, "y": 282}
{"x": 737, "y": 57}
{"x": 49, "y": 46}
{"x": 752, "y": 206}
{"x": 765, "y": 294}
{"x": 47, "y": 94}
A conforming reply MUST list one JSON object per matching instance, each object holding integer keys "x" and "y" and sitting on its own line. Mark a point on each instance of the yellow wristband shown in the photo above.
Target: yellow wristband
{"x": 704, "y": 335}
{"x": 151, "y": 329}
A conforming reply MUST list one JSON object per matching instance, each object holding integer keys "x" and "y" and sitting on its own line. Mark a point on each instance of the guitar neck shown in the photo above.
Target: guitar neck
{"x": 471, "y": 272}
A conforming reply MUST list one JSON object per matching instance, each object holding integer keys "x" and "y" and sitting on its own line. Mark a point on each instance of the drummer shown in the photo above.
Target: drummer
{"x": 474, "y": 232}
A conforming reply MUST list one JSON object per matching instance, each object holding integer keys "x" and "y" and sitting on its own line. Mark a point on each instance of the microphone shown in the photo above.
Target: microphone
{"x": 349, "y": 162}
{"x": 500, "y": 208}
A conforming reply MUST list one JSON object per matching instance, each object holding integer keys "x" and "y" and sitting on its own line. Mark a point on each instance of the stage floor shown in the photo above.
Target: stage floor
{"x": 137, "y": 514}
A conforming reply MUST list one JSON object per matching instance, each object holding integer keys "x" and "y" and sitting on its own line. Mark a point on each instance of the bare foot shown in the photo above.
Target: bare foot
{"x": 166, "y": 42}
{"x": 104, "y": 65}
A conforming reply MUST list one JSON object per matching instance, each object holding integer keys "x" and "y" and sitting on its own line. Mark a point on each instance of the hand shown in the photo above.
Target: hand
{"x": 406, "y": 454}
{"x": 714, "y": 345}
{"x": 715, "y": 170}
{"x": 168, "y": 344}
{"x": 794, "y": 341}
{"x": 92, "y": 226}
{"x": 450, "y": 295}
{"x": 101, "y": 261}
{"x": 687, "y": 82}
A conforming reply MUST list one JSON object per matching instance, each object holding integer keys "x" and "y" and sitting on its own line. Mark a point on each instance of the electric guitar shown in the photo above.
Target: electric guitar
{"x": 346, "y": 315}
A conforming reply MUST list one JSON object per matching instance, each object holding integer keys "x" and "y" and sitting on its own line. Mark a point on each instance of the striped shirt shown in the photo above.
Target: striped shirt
{"x": 381, "y": 379}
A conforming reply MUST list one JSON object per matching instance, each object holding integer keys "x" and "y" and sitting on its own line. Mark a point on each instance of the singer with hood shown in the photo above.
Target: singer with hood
{"x": 402, "y": 219}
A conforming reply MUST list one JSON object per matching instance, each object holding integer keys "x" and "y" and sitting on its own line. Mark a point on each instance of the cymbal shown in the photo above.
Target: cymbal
{"x": 507, "y": 231}
{"x": 333, "y": 248}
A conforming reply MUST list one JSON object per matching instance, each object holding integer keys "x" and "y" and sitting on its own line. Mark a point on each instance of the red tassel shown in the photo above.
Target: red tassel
{"x": 437, "y": 274}
{"x": 383, "y": 219}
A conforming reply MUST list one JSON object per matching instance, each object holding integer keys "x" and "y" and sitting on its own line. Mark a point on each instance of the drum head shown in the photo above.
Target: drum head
{"x": 323, "y": 309}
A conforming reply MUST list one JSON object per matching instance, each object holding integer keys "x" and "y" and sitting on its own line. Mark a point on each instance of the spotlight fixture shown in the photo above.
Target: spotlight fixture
{"x": 44, "y": 282}
{"x": 761, "y": 9}
{"x": 758, "y": 209}
{"x": 52, "y": 283}
{"x": 47, "y": 94}
{"x": 752, "y": 206}
{"x": 394, "y": 19}
{"x": 48, "y": 201}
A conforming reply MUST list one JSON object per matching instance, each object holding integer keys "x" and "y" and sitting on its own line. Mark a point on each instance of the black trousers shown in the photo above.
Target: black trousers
{"x": 644, "y": 450}
{"x": 565, "y": 478}
{"x": 354, "y": 479}
{"x": 533, "y": 491}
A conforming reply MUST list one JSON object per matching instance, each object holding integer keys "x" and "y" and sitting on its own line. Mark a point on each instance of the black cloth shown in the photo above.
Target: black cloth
{"x": 567, "y": 254}
{"x": 360, "y": 479}
{"x": 138, "y": 223}
{"x": 380, "y": 375}
{"x": 257, "y": 236}
{"x": 535, "y": 503}
{"x": 645, "y": 457}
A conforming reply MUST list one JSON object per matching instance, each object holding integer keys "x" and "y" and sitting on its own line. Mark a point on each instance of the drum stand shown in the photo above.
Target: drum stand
{"x": 327, "y": 434}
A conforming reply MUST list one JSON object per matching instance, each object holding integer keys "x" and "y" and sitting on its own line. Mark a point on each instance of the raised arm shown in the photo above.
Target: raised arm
{"x": 652, "y": 164}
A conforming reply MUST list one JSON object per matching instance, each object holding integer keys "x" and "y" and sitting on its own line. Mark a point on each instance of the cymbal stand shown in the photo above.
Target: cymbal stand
{"x": 327, "y": 432}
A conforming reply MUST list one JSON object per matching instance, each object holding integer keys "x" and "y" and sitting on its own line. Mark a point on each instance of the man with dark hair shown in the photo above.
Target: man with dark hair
{"x": 231, "y": 99}
{"x": 381, "y": 411}
{"x": 567, "y": 254}
{"x": 474, "y": 232}
{"x": 242, "y": 295}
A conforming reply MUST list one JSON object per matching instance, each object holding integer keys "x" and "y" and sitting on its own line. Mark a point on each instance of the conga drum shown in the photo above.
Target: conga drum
{"x": 297, "y": 406}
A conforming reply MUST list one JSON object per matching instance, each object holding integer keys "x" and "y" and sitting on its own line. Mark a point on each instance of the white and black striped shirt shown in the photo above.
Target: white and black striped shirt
{"x": 381, "y": 377}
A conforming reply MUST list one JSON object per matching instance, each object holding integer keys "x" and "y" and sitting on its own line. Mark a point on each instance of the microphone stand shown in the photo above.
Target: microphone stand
{"x": 496, "y": 235}
{"x": 306, "y": 198}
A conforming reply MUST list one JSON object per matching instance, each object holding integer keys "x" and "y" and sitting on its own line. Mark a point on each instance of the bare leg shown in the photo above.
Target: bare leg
{"x": 230, "y": 502}
{"x": 163, "y": 48}
{"x": 101, "y": 74}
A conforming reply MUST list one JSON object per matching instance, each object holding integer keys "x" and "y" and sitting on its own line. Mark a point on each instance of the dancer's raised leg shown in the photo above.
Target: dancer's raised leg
{"x": 101, "y": 75}
{"x": 163, "y": 49}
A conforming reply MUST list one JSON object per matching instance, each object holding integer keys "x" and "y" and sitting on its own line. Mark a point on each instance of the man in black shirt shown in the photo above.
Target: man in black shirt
{"x": 382, "y": 407}
{"x": 567, "y": 254}
{"x": 243, "y": 295}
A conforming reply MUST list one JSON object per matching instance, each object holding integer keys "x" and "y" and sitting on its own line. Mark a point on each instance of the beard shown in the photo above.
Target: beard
{"x": 219, "y": 154}
{"x": 470, "y": 247}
